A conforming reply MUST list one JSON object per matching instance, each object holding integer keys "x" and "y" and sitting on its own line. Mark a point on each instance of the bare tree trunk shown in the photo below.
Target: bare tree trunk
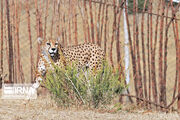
{"x": 14, "y": 38}
{"x": 10, "y": 43}
{"x": 69, "y": 22}
{"x": 126, "y": 49}
{"x": 118, "y": 34}
{"x": 102, "y": 23}
{"x": 143, "y": 52}
{"x": 165, "y": 53}
{"x": 80, "y": 4}
{"x": 162, "y": 86}
{"x": 105, "y": 30}
{"x": 132, "y": 53}
{"x": 38, "y": 28}
{"x": 176, "y": 37}
{"x": 57, "y": 14}
{"x": 2, "y": 41}
{"x": 135, "y": 69}
{"x": 52, "y": 22}
{"x": 138, "y": 54}
{"x": 30, "y": 41}
{"x": 148, "y": 58}
{"x": 75, "y": 23}
{"x": 17, "y": 20}
{"x": 113, "y": 33}
{"x": 98, "y": 25}
{"x": 92, "y": 23}
{"x": 46, "y": 15}
{"x": 153, "y": 55}
{"x": 87, "y": 23}
{"x": 6, "y": 37}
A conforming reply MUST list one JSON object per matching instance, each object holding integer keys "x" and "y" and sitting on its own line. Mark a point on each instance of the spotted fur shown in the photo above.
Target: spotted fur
{"x": 86, "y": 55}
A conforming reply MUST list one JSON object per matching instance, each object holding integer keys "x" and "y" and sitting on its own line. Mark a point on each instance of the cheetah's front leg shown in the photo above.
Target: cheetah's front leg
{"x": 41, "y": 72}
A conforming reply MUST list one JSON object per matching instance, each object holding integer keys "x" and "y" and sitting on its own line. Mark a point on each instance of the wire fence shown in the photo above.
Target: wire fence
{"x": 153, "y": 40}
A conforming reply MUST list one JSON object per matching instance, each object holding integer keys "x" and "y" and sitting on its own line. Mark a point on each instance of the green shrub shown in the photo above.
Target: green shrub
{"x": 140, "y": 6}
{"x": 72, "y": 87}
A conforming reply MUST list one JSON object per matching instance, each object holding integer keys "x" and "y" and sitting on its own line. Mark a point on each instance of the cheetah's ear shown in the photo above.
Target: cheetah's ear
{"x": 39, "y": 39}
{"x": 59, "y": 42}
{"x": 58, "y": 39}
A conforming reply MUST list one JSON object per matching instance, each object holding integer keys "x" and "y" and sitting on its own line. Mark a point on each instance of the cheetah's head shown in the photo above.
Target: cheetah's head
{"x": 50, "y": 45}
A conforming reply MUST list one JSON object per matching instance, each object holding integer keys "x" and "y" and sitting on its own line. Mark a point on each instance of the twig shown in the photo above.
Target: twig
{"x": 75, "y": 88}
{"x": 143, "y": 99}
{"x": 150, "y": 102}
{"x": 167, "y": 107}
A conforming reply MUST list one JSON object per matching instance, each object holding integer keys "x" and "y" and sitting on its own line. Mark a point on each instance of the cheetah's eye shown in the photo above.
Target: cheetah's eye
{"x": 56, "y": 43}
{"x": 48, "y": 44}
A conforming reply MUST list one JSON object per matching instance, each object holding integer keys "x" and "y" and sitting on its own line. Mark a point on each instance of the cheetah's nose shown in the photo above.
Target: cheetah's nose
{"x": 53, "y": 49}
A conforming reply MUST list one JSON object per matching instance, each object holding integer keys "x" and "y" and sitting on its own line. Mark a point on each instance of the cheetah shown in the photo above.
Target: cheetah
{"x": 87, "y": 55}
{"x": 48, "y": 54}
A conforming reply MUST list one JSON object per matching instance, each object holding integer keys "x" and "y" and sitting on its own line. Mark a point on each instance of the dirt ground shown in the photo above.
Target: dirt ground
{"x": 43, "y": 108}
